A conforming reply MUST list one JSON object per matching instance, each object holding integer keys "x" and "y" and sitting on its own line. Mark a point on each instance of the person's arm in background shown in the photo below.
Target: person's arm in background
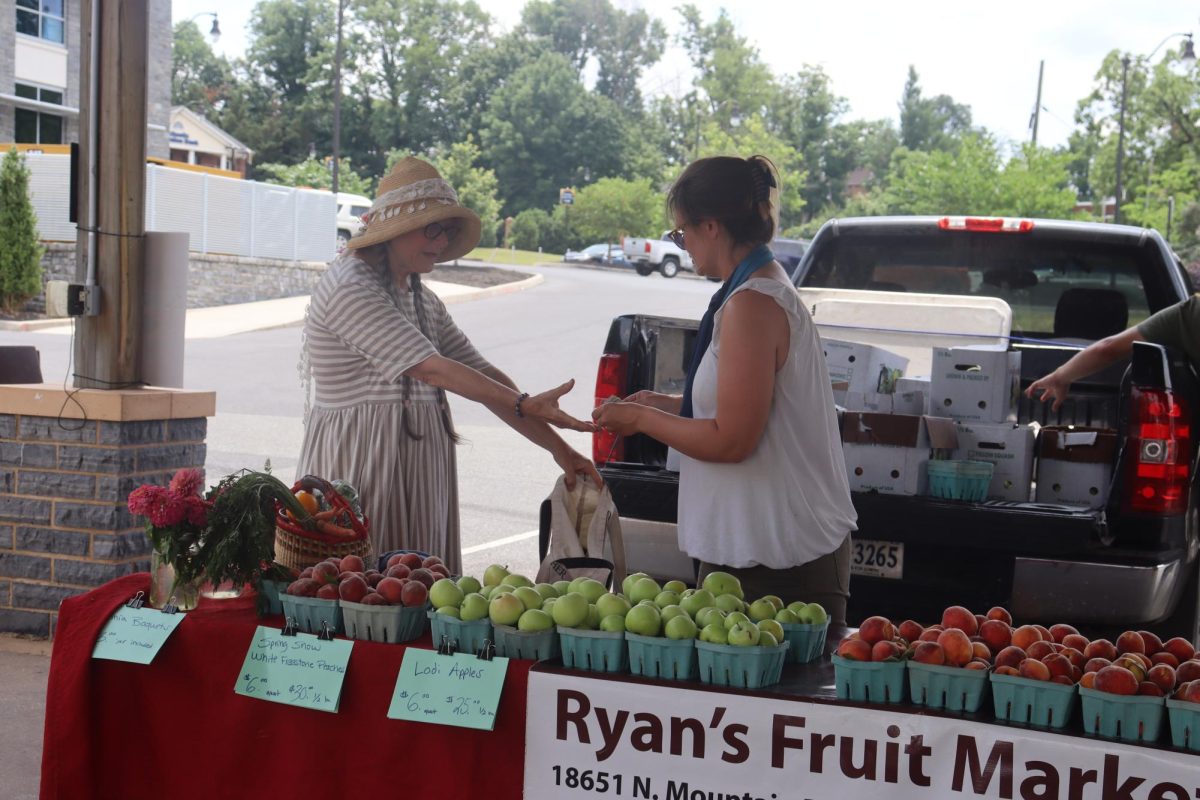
{"x": 1093, "y": 358}
{"x": 670, "y": 403}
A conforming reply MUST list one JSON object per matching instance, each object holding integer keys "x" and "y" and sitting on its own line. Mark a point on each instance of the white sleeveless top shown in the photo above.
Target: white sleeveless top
{"x": 789, "y": 502}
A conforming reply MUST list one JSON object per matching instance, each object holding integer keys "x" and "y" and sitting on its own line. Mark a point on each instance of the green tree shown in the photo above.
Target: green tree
{"x": 735, "y": 83}
{"x": 316, "y": 175}
{"x": 614, "y": 207}
{"x": 526, "y": 232}
{"x": 200, "y": 79}
{"x": 806, "y": 114}
{"x": 1036, "y": 183}
{"x": 20, "y": 249}
{"x": 940, "y": 182}
{"x": 930, "y": 123}
{"x": 752, "y": 138}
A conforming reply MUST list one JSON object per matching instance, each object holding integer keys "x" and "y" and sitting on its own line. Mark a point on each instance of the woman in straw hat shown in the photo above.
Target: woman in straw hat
{"x": 382, "y": 353}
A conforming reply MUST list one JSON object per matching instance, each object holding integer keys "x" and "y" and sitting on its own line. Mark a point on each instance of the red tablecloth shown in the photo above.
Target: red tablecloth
{"x": 176, "y": 729}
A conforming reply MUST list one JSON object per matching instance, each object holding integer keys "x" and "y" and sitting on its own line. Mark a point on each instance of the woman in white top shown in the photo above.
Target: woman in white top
{"x": 763, "y": 492}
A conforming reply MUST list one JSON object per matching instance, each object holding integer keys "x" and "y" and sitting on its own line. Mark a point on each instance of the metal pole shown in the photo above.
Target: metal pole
{"x": 1170, "y": 215}
{"x": 337, "y": 97}
{"x": 1037, "y": 108}
{"x": 1121, "y": 139}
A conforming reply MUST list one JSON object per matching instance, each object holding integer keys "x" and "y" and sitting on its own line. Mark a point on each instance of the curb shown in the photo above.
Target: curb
{"x": 34, "y": 324}
{"x": 20, "y": 645}
{"x": 492, "y": 291}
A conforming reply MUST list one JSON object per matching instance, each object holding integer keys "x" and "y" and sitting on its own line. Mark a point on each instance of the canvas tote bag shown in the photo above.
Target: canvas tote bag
{"x": 584, "y": 523}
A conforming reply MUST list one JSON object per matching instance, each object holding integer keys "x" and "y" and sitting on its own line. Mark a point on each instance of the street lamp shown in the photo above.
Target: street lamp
{"x": 214, "y": 32}
{"x": 1188, "y": 54}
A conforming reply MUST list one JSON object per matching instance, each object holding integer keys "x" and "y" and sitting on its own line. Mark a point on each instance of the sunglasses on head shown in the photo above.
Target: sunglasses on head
{"x": 435, "y": 229}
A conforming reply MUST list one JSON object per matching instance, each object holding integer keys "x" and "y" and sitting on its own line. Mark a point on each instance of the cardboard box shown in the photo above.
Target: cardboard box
{"x": 1009, "y": 447}
{"x": 975, "y": 384}
{"x": 1075, "y": 465}
{"x": 865, "y": 368}
{"x": 874, "y": 402}
{"x": 886, "y": 453}
{"x": 911, "y": 396}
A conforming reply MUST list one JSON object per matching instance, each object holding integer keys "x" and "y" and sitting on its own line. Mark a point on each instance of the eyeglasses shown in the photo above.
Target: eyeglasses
{"x": 676, "y": 237}
{"x": 435, "y": 229}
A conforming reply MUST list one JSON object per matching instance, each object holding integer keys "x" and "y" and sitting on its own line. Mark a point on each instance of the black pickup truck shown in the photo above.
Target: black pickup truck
{"x": 1131, "y": 563}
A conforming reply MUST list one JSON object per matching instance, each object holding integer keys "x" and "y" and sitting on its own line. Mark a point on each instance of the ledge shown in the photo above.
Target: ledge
{"x": 125, "y": 405}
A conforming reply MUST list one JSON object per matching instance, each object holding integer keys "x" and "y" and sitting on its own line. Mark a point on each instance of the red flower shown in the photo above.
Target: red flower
{"x": 187, "y": 481}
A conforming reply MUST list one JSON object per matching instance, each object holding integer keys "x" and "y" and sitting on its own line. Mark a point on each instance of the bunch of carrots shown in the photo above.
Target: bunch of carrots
{"x": 323, "y": 516}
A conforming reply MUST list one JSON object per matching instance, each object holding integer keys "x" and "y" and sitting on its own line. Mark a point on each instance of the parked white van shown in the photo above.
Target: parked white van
{"x": 350, "y": 211}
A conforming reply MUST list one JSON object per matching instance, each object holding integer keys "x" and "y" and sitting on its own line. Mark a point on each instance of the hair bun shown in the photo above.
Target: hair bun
{"x": 762, "y": 177}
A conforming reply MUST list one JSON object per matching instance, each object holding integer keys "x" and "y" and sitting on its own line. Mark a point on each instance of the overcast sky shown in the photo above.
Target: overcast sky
{"x": 983, "y": 55}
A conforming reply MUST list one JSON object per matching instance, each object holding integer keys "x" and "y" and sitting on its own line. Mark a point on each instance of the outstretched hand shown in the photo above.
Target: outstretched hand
{"x": 544, "y": 407}
{"x": 618, "y": 416}
{"x": 1051, "y": 387}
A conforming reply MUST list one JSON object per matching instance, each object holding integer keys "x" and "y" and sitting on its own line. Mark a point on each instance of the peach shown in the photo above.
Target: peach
{"x": 424, "y": 576}
{"x": 429, "y": 561}
{"x": 876, "y": 629}
{"x": 306, "y": 572}
{"x": 910, "y": 630}
{"x": 373, "y": 579}
{"x": 1188, "y": 671}
{"x": 1076, "y": 674}
{"x": 1151, "y": 641}
{"x": 929, "y": 653}
{"x": 1063, "y": 679}
{"x": 930, "y": 634}
{"x": 391, "y": 590}
{"x": 352, "y": 589}
{"x": 1026, "y": 635}
{"x": 325, "y": 572}
{"x": 328, "y": 591}
{"x": 1088, "y": 681}
{"x": 1034, "y": 670}
{"x": 977, "y": 663}
{"x": 1061, "y": 630}
{"x": 1005, "y": 669}
{"x": 1074, "y": 656}
{"x": 303, "y": 587}
{"x": 1010, "y": 657}
{"x": 397, "y": 571}
{"x": 1116, "y": 680}
{"x": 374, "y": 599}
{"x": 956, "y": 646}
{"x": 439, "y": 569}
{"x": 1040, "y": 649}
{"x": 854, "y": 650}
{"x": 960, "y": 618}
{"x": 1058, "y": 664}
{"x": 1180, "y": 647}
{"x": 886, "y": 651}
{"x": 1191, "y": 692}
{"x": 1149, "y": 689}
{"x": 1164, "y": 657}
{"x": 1130, "y": 642}
{"x": 980, "y": 651}
{"x": 1100, "y": 648}
{"x": 394, "y": 559}
{"x": 996, "y": 634}
{"x": 352, "y": 564}
{"x": 979, "y": 620}
{"x": 1045, "y": 632}
{"x": 1096, "y": 664}
{"x": 1133, "y": 665}
{"x": 1162, "y": 676}
{"x": 1075, "y": 640}
{"x": 414, "y": 593}
{"x": 1000, "y": 613}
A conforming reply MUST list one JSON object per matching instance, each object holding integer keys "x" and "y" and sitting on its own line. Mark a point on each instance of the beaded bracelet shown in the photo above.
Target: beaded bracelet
{"x": 522, "y": 397}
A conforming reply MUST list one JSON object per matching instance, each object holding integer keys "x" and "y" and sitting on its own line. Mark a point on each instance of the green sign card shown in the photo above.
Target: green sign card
{"x": 299, "y": 670}
{"x": 461, "y": 689}
{"x": 135, "y": 634}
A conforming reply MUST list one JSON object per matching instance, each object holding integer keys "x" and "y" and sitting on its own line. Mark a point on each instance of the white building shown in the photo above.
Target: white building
{"x": 195, "y": 140}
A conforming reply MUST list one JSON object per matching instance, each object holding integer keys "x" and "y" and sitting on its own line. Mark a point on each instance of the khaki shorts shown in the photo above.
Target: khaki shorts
{"x": 825, "y": 581}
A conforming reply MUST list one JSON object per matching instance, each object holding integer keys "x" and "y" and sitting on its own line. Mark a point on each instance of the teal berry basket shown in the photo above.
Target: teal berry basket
{"x": 274, "y": 591}
{"x": 1130, "y": 718}
{"x": 805, "y": 643}
{"x": 1184, "y": 718}
{"x": 309, "y": 612}
{"x": 959, "y": 480}
{"x": 532, "y": 645}
{"x": 948, "y": 688}
{"x": 1042, "y": 704}
{"x": 389, "y": 624}
{"x": 597, "y": 651}
{"x": 659, "y": 657}
{"x": 869, "y": 681}
{"x": 468, "y": 636}
{"x": 741, "y": 667}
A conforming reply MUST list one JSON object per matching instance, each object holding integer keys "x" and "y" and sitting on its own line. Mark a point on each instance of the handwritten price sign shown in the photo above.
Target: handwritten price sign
{"x": 135, "y": 634}
{"x": 459, "y": 690}
{"x": 299, "y": 670}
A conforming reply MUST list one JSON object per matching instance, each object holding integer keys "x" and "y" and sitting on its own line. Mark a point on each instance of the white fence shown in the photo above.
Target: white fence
{"x": 223, "y": 216}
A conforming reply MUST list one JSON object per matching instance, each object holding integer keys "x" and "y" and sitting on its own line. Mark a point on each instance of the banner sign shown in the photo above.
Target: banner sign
{"x": 610, "y": 738}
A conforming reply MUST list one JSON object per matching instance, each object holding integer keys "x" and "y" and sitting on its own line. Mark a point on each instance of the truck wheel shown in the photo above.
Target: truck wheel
{"x": 643, "y": 269}
{"x": 669, "y": 268}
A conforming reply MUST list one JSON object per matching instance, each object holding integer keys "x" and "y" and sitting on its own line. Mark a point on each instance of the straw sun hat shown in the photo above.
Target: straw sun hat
{"x": 410, "y": 197}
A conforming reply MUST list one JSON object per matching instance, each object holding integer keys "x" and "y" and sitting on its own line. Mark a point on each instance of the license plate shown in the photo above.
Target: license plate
{"x": 877, "y": 559}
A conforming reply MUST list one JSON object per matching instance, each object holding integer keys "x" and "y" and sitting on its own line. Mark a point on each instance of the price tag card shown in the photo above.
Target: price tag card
{"x": 135, "y": 634}
{"x": 460, "y": 689}
{"x": 299, "y": 670}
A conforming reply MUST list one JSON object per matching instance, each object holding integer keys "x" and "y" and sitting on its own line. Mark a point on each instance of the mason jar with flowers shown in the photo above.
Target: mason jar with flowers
{"x": 176, "y": 516}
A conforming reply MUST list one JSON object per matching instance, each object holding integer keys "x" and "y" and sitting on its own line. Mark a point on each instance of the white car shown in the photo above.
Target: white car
{"x": 350, "y": 211}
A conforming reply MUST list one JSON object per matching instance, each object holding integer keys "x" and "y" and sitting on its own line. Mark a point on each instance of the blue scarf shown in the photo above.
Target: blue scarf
{"x": 758, "y": 258}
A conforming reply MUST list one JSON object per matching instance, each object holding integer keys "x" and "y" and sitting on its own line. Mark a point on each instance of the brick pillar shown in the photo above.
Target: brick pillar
{"x": 66, "y": 471}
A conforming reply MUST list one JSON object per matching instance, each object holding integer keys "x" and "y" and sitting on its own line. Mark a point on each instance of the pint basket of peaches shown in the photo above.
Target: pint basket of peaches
{"x": 869, "y": 665}
{"x": 1125, "y": 685}
{"x": 949, "y": 670}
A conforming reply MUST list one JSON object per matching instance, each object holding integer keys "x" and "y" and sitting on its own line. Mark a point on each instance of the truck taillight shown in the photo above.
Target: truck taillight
{"x": 1160, "y": 453}
{"x": 986, "y": 224}
{"x": 647, "y": 246}
{"x": 610, "y": 382}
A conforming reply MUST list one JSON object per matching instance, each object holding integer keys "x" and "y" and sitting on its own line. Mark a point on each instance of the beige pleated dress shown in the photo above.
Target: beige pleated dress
{"x": 360, "y": 335}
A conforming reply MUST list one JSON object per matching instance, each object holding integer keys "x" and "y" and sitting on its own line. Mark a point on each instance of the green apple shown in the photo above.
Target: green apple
{"x": 505, "y": 609}
{"x": 469, "y": 584}
{"x": 503, "y": 588}
{"x": 698, "y": 599}
{"x": 613, "y": 623}
{"x": 786, "y": 617}
{"x": 680, "y": 627}
{"x": 548, "y": 604}
{"x": 714, "y": 634}
{"x": 666, "y": 598}
{"x": 762, "y": 609}
{"x": 570, "y": 610}
{"x": 723, "y": 583}
{"x": 813, "y": 614}
{"x": 643, "y": 620}
{"x": 775, "y": 600}
{"x": 445, "y": 592}
{"x": 734, "y": 618}
{"x": 608, "y": 604}
{"x": 729, "y": 603}
{"x": 710, "y": 615}
{"x": 743, "y": 634}
{"x": 473, "y": 607}
{"x": 528, "y": 597}
{"x": 450, "y": 611}
{"x": 593, "y": 617}
{"x": 589, "y": 588}
{"x": 546, "y": 590}
{"x": 772, "y": 627}
{"x": 493, "y": 575}
{"x": 515, "y": 580}
{"x": 767, "y": 639}
{"x": 669, "y": 613}
{"x": 796, "y": 607}
{"x": 535, "y": 620}
{"x": 643, "y": 589}
{"x": 562, "y": 587}
{"x": 630, "y": 580}
{"x": 679, "y": 587}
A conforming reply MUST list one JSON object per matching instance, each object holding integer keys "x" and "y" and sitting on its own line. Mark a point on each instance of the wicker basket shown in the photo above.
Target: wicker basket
{"x": 297, "y": 547}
